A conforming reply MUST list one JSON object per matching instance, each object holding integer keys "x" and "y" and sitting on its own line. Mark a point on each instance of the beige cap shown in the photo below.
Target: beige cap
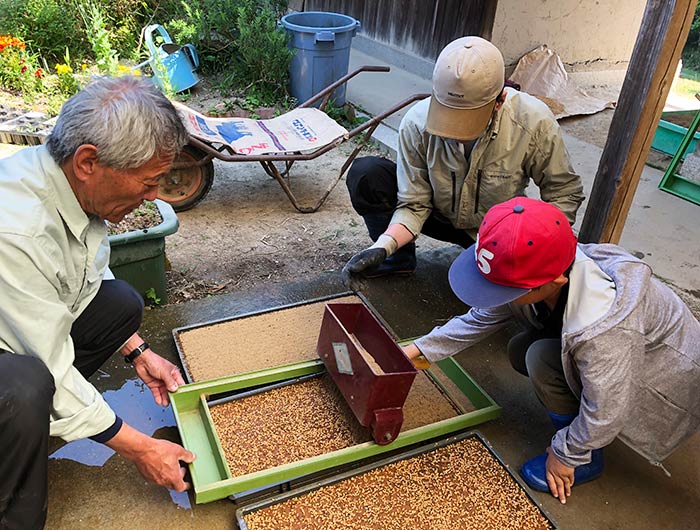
{"x": 468, "y": 77}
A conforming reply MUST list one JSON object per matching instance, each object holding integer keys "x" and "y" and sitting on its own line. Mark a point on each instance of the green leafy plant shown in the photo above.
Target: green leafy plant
{"x": 161, "y": 71}
{"x": 125, "y": 19}
{"x": 47, "y": 26}
{"x": 691, "y": 51}
{"x": 238, "y": 40}
{"x": 152, "y": 297}
{"x": 181, "y": 30}
{"x": 345, "y": 115}
{"x": 67, "y": 84}
{"x": 105, "y": 56}
{"x": 263, "y": 52}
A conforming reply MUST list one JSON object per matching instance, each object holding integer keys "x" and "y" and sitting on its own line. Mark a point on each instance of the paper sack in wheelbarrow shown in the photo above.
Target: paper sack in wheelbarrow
{"x": 301, "y": 129}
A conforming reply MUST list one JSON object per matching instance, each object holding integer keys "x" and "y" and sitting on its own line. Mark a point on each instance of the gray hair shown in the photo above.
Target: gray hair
{"x": 127, "y": 118}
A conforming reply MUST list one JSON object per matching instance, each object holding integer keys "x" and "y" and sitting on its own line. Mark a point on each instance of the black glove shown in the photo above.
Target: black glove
{"x": 368, "y": 258}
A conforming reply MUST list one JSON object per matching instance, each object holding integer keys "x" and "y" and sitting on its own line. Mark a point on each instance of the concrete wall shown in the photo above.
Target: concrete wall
{"x": 586, "y": 34}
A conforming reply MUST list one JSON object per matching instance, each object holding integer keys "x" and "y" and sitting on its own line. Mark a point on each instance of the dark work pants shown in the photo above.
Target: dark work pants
{"x": 26, "y": 394}
{"x": 540, "y": 359}
{"x": 373, "y": 192}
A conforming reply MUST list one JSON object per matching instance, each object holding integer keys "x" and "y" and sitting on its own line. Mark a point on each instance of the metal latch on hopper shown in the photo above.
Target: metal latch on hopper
{"x": 342, "y": 358}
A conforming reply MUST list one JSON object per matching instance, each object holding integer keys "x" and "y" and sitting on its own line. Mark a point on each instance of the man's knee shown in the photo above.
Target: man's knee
{"x": 371, "y": 182}
{"x": 26, "y": 392}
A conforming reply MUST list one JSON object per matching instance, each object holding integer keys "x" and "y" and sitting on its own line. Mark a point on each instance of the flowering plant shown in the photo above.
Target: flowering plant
{"x": 64, "y": 69}
{"x": 19, "y": 71}
{"x": 67, "y": 84}
{"x": 10, "y": 42}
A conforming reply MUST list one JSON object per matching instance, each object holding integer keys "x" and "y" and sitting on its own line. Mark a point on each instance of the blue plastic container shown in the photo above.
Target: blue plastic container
{"x": 322, "y": 41}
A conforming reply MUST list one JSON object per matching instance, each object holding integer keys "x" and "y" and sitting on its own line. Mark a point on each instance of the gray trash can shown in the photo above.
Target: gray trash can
{"x": 322, "y": 41}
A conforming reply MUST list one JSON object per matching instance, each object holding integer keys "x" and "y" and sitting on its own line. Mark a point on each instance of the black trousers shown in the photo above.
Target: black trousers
{"x": 373, "y": 189}
{"x": 26, "y": 394}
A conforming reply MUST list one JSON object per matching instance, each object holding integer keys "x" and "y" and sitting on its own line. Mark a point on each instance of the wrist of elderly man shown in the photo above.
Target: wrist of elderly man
{"x": 134, "y": 349}
{"x": 386, "y": 242}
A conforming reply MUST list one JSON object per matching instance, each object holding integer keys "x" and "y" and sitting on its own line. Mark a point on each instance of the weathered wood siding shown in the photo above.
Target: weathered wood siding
{"x": 422, "y": 27}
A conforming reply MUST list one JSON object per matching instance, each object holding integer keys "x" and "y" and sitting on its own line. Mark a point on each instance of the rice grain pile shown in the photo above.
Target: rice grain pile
{"x": 459, "y": 486}
{"x": 285, "y": 425}
{"x": 244, "y": 344}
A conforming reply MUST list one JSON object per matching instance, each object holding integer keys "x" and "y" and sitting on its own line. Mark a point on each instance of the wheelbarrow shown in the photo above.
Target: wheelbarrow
{"x": 192, "y": 174}
{"x": 173, "y": 65}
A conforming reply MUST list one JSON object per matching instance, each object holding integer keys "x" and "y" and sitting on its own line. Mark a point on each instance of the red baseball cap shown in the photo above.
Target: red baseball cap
{"x": 522, "y": 244}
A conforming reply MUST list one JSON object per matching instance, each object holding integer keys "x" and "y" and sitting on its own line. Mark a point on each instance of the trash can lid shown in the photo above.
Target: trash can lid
{"x": 313, "y": 21}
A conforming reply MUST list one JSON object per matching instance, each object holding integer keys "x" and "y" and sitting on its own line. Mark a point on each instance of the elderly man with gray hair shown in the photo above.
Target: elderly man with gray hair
{"x": 63, "y": 314}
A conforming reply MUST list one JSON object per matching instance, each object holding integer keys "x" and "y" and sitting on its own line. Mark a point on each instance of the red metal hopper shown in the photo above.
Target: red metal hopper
{"x": 368, "y": 367}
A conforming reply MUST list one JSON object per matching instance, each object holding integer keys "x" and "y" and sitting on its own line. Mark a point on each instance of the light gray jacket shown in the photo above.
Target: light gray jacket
{"x": 634, "y": 344}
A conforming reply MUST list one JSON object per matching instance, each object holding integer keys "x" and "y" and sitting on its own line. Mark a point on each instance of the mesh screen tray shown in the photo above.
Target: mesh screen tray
{"x": 455, "y": 482}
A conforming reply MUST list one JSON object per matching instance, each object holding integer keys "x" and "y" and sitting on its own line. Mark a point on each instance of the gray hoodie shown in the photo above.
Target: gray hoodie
{"x": 630, "y": 352}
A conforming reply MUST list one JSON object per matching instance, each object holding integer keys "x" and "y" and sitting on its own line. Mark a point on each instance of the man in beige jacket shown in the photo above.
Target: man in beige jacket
{"x": 473, "y": 144}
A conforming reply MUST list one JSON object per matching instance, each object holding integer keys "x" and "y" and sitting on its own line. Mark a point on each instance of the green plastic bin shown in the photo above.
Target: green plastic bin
{"x": 138, "y": 257}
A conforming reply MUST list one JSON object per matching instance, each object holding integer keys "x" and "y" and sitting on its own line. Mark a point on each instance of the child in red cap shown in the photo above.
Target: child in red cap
{"x": 610, "y": 350}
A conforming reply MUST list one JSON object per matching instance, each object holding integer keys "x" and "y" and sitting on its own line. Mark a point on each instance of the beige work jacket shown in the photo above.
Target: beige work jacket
{"x": 523, "y": 142}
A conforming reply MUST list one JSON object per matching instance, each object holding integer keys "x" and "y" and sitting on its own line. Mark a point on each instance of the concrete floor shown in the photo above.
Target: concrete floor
{"x": 90, "y": 487}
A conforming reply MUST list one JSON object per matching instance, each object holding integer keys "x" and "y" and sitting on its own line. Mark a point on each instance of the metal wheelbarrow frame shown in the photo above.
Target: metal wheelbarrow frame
{"x": 192, "y": 174}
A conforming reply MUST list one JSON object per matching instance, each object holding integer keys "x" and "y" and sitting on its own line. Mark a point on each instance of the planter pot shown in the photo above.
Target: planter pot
{"x": 138, "y": 257}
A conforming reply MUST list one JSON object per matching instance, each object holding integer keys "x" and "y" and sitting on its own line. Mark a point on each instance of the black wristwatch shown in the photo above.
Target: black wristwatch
{"x": 136, "y": 352}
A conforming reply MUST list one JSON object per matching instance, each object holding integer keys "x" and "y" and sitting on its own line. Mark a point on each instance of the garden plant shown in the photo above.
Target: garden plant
{"x": 50, "y": 48}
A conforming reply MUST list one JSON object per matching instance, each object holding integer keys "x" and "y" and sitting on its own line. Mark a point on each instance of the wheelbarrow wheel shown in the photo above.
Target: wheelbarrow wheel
{"x": 184, "y": 187}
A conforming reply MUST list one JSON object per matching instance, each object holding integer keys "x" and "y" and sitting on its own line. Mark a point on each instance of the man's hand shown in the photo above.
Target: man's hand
{"x": 160, "y": 376}
{"x": 363, "y": 260}
{"x": 157, "y": 460}
{"x": 159, "y": 463}
{"x": 560, "y": 477}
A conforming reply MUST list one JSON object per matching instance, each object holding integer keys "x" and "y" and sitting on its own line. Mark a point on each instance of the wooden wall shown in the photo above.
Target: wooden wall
{"x": 422, "y": 27}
